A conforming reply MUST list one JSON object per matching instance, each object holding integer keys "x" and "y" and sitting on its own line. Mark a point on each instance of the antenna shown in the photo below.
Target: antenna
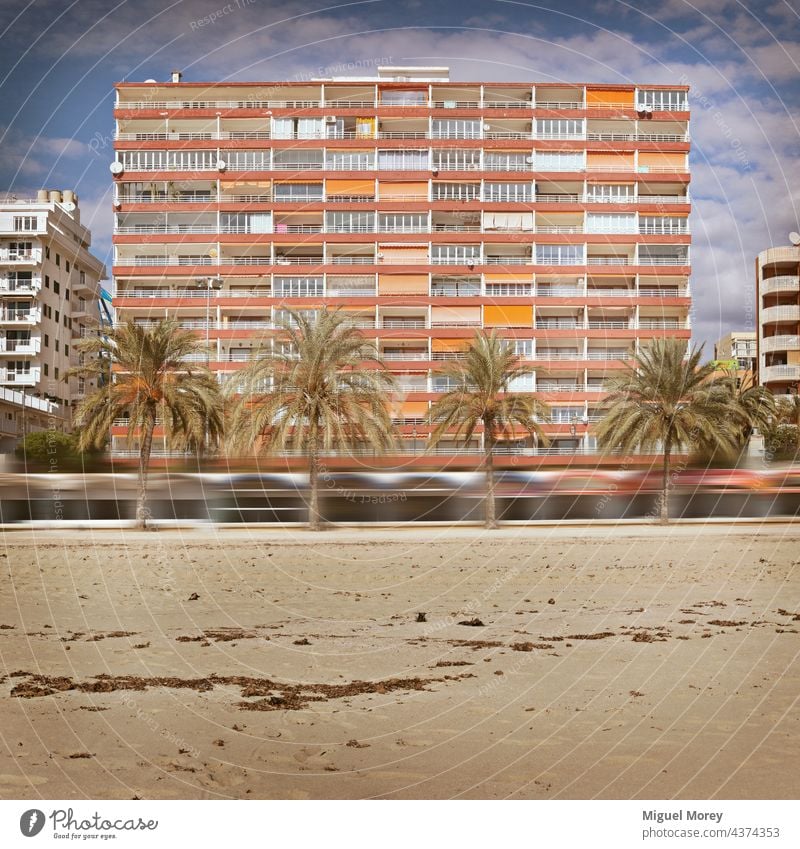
{"x": 794, "y": 238}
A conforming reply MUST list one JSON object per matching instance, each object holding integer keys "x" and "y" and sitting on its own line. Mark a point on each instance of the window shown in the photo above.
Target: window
{"x": 613, "y": 223}
{"x": 559, "y": 161}
{"x": 66, "y": 350}
{"x": 559, "y": 254}
{"x": 20, "y": 250}
{"x": 67, "y": 266}
{"x": 57, "y": 345}
{"x": 598, "y": 193}
{"x": 403, "y": 160}
{"x": 456, "y": 160}
{"x": 456, "y": 191}
{"x": 297, "y": 159}
{"x": 66, "y": 294}
{"x": 659, "y": 100}
{"x": 298, "y": 287}
{"x": 47, "y": 252}
{"x": 23, "y": 223}
{"x": 455, "y": 254}
{"x": 350, "y": 222}
{"x": 667, "y": 225}
{"x": 507, "y": 161}
{"x": 399, "y": 97}
{"x": 345, "y": 160}
{"x": 298, "y": 128}
{"x": 248, "y": 160}
{"x": 559, "y": 129}
{"x": 524, "y": 348}
{"x": 58, "y": 260}
{"x": 514, "y": 192}
{"x": 398, "y": 222}
{"x": 46, "y": 370}
{"x": 46, "y": 281}
{"x": 56, "y": 287}
{"x": 55, "y": 372}
{"x": 46, "y": 340}
{"x": 300, "y": 192}
{"x": 455, "y": 129}
{"x": 58, "y": 316}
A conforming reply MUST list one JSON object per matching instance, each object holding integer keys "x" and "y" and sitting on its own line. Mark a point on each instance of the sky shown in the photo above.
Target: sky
{"x": 60, "y": 61}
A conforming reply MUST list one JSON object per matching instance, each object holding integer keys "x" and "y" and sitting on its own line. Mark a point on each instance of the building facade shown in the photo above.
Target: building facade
{"x": 49, "y": 290}
{"x": 426, "y": 209}
{"x": 778, "y": 319}
{"x": 736, "y": 351}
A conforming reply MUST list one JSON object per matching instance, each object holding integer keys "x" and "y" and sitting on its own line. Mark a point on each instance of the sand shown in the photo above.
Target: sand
{"x": 617, "y": 663}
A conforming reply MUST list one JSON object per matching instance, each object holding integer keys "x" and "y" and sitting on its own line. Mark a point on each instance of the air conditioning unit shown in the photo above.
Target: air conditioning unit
{"x": 330, "y": 119}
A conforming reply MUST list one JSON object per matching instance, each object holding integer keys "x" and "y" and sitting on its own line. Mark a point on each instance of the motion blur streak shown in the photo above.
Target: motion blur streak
{"x": 402, "y": 497}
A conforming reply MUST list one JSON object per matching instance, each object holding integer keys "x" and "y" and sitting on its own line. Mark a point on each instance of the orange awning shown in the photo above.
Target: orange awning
{"x": 350, "y": 187}
{"x": 402, "y": 284}
{"x": 439, "y": 346}
{"x": 672, "y": 161}
{"x": 611, "y": 160}
{"x": 606, "y": 97}
{"x": 507, "y": 316}
{"x": 388, "y": 190}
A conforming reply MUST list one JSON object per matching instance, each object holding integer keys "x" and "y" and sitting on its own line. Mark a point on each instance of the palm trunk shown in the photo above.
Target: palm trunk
{"x": 488, "y": 464}
{"x": 142, "y": 513}
{"x": 666, "y": 482}
{"x": 314, "y": 517}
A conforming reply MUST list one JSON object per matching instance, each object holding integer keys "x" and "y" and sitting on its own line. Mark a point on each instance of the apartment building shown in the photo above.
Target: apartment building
{"x": 426, "y": 209}
{"x": 778, "y": 318}
{"x": 736, "y": 351}
{"x": 49, "y": 288}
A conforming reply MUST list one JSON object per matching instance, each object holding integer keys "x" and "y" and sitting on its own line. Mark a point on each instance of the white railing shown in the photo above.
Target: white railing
{"x": 10, "y": 256}
{"x": 784, "y": 342}
{"x": 784, "y": 283}
{"x": 782, "y": 313}
{"x": 25, "y": 315}
{"x": 19, "y": 346}
{"x": 784, "y": 372}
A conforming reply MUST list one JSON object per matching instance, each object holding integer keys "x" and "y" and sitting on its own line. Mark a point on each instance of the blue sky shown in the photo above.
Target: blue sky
{"x": 60, "y": 61}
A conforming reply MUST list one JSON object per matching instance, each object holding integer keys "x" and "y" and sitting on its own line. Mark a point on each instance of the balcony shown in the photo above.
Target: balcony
{"x": 20, "y": 316}
{"x": 10, "y": 257}
{"x": 16, "y": 286}
{"x": 784, "y": 283}
{"x": 217, "y": 104}
{"x": 23, "y": 347}
{"x": 779, "y": 314}
{"x": 780, "y": 343}
{"x": 19, "y": 377}
{"x": 785, "y": 372}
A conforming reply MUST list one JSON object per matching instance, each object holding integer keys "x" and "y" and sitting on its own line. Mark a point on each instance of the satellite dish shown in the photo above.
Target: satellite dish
{"x": 794, "y": 238}
{"x": 116, "y": 168}
{"x": 69, "y": 206}
{"x": 221, "y": 165}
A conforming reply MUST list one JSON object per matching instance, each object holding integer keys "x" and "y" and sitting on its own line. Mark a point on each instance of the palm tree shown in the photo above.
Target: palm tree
{"x": 667, "y": 400}
{"x": 150, "y": 380}
{"x": 756, "y": 404}
{"x": 481, "y": 394}
{"x": 313, "y": 394}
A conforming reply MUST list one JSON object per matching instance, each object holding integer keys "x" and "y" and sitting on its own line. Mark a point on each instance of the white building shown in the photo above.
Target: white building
{"x": 49, "y": 292}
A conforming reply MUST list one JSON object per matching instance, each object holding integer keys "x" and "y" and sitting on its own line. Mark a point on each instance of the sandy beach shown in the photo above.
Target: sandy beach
{"x": 616, "y": 663}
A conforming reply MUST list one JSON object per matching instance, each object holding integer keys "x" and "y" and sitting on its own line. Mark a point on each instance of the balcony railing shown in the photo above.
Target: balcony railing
{"x": 27, "y": 316}
{"x": 25, "y": 257}
{"x": 780, "y": 313}
{"x": 19, "y": 346}
{"x": 783, "y": 372}
{"x": 784, "y": 283}
{"x": 784, "y": 342}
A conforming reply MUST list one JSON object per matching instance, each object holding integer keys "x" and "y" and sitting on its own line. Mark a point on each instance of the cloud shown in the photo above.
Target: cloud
{"x": 741, "y": 61}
